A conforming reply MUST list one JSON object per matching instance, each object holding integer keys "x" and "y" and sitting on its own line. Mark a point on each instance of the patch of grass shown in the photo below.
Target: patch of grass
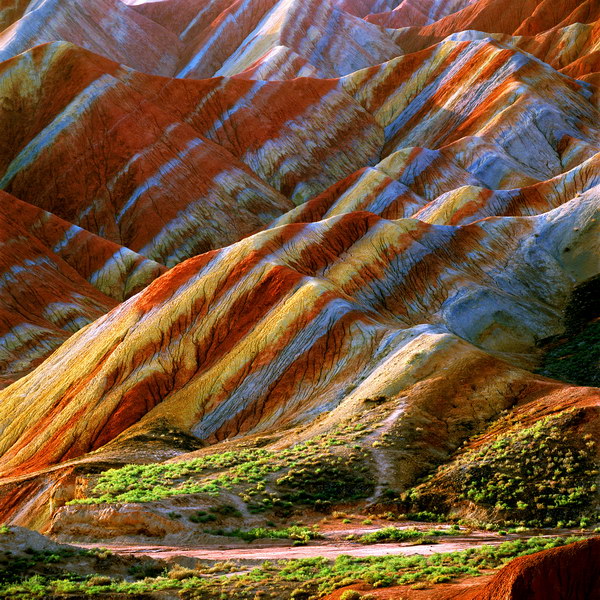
{"x": 146, "y": 568}
{"x": 295, "y": 532}
{"x": 351, "y": 595}
{"x": 225, "y": 510}
{"x": 426, "y": 517}
{"x": 394, "y": 534}
{"x": 326, "y": 480}
{"x": 318, "y": 472}
{"x": 202, "y": 516}
{"x": 148, "y": 483}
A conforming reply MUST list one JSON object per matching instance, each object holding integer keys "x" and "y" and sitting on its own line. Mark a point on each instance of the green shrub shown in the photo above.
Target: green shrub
{"x": 202, "y": 516}
{"x": 393, "y": 534}
{"x": 99, "y": 580}
{"x": 295, "y": 532}
{"x": 351, "y": 595}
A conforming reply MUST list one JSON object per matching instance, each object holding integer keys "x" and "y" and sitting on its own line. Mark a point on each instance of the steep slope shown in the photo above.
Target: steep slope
{"x": 112, "y": 269}
{"x": 284, "y": 39}
{"x": 279, "y": 45}
{"x": 106, "y": 27}
{"x": 131, "y": 170}
{"x": 190, "y": 44}
{"x": 524, "y": 17}
{"x": 354, "y": 290}
{"x": 484, "y": 90}
{"x": 43, "y": 300}
{"x": 373, "y": 190}
{"x": 410, "y": 13}
{"x": 115, "y": 193}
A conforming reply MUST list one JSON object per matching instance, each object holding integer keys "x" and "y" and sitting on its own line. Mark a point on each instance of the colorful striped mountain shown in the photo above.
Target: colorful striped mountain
{"x": 368, "y": 228}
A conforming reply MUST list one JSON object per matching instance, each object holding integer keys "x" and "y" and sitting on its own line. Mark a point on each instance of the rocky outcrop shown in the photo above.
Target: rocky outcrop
{"x": 566, "y": 573}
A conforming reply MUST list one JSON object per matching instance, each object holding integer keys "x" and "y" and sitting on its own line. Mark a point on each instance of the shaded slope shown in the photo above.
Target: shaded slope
{"x": 112, "y": 269}
{"x": 43, "y": 300}
{"x": 132, "y": 171}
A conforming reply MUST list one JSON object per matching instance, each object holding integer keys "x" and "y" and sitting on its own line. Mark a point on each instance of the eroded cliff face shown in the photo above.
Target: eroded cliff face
{"x": 567, "y": 572}
{"x": 372, "y": 211}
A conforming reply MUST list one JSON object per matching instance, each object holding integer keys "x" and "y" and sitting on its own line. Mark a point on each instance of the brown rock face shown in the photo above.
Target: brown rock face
{"x": 567, "y": 573}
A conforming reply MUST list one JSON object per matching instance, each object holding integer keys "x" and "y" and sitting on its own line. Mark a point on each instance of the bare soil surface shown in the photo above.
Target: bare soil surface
{"x": 332, "y": 546}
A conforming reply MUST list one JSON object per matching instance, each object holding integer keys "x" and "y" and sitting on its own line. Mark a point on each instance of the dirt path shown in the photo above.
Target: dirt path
{"x": 325, "y": 549}
{"x": 384, "y": 467}
{"x": 331, "y": 547}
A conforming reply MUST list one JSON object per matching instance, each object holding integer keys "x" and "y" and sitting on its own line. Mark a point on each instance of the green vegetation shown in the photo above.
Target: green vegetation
{"x": 14, "y": 568}
{"x": 318, "y": 473}
{"x": 202, "y": 516}
{"x": 427, "y": 517}
{"x": 393, "y": 534}
{"x": 147, "y": 483}
{"x": 323, "y": 481}
{"x": 351, "y": 595}
{"x": 539, "y": 476}
{"x": 576, "y": 358}
{"x": 285, "y": 580}
{"x": 297, "y": 533}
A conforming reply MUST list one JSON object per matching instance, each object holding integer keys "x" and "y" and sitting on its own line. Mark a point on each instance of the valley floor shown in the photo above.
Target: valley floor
{"x": 331, "y": 547}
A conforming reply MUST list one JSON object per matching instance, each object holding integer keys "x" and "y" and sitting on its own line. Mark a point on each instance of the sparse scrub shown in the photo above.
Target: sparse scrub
{"x": 295, "y": 532}
{"x": 394, "y": 534}
{"x": 308, "y": 578}
{"x": 202, "y": 516}
{"x": 539, "y": 476}
{"x": 351, "y": 595}
{"x": 318, "y": 472}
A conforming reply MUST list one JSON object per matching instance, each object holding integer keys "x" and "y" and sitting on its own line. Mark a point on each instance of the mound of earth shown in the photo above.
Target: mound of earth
{"x": 566, "y": 573}
{"x": 19, "y": 540}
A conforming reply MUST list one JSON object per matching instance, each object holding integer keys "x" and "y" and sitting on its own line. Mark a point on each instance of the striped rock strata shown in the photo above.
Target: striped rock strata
{"x": 56, "y": 278}
{"x": 274, "y": 330}
{"x": 370, "y": 199}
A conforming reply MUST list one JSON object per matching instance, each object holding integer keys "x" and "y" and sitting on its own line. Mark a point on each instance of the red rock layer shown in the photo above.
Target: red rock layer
{"x": 107, "y": 27}
{"x": 565, "y": 573}
{"x": 112, "y": 269}
{"x": 267, "y": 39}
{"x": 274, "y": 328}
{"x": 43, "y": 300}
{"x": 132, "y": 173}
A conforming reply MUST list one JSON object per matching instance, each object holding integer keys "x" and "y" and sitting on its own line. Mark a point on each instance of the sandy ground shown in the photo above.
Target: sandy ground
{"x": 331, "y": 547}
{"x": 286, "y": 552}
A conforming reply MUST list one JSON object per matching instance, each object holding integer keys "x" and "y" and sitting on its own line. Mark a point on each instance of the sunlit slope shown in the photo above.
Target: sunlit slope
{"x": 277, "y": 328}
